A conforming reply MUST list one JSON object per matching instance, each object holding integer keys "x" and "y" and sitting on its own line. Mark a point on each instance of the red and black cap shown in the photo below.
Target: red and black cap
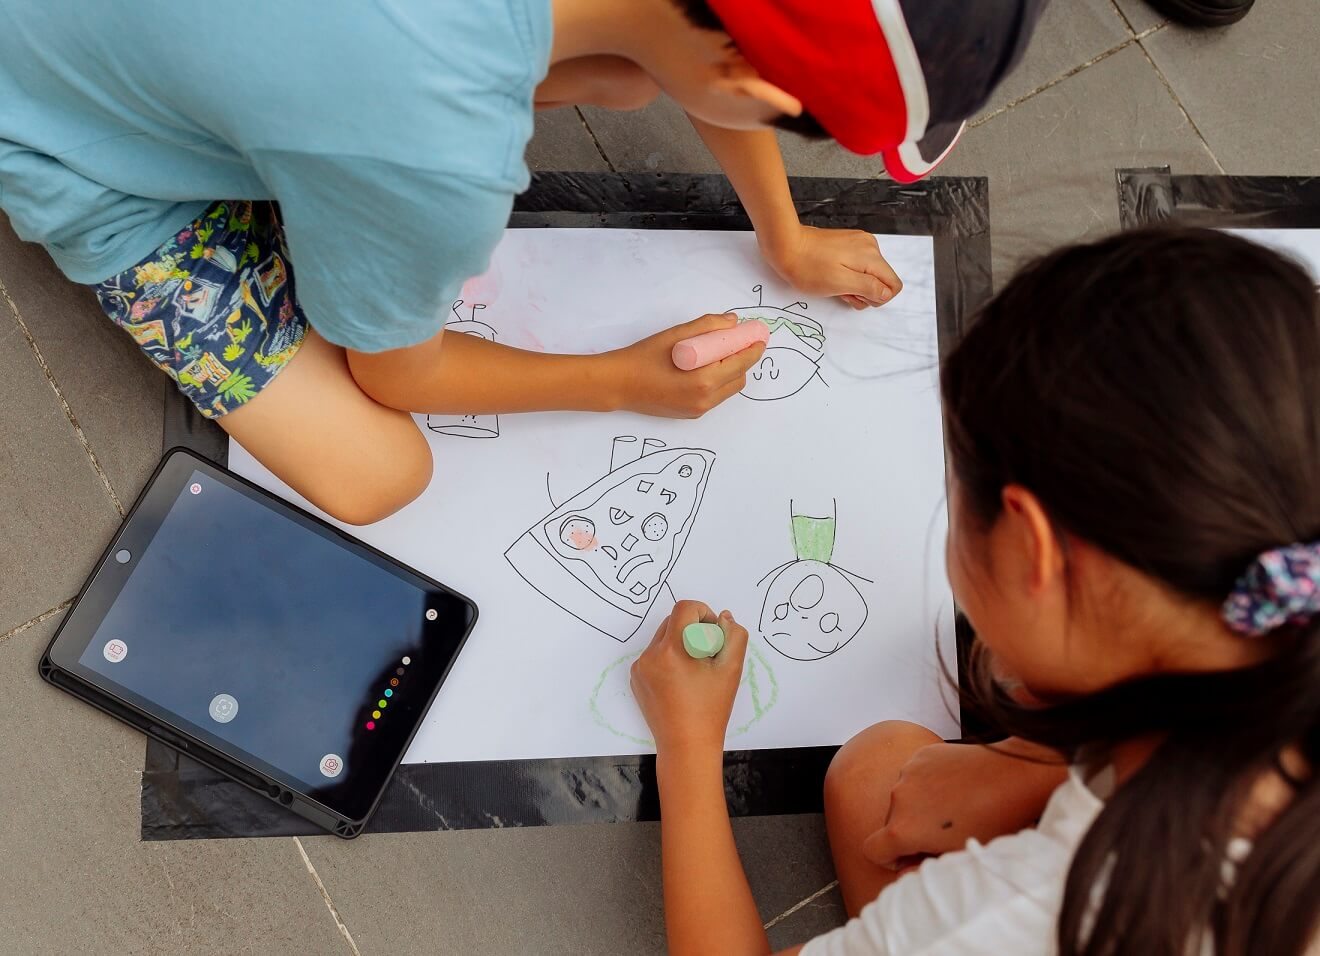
{"x": 894, "y": 77}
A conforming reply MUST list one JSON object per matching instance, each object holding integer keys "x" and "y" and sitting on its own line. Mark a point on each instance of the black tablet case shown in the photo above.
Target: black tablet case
{"x": 184, "y": 799}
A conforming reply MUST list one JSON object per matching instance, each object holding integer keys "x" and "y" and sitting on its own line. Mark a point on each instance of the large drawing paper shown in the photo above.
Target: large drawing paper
{"x": 1302, "y": 245}
{"x": 812, "y": 507}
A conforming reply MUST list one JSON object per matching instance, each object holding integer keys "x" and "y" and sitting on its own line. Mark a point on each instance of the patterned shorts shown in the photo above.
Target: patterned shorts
{"x": 214, "y": 306}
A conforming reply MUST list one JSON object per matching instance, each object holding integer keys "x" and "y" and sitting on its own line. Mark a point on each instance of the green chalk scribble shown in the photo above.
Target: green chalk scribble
{"x": 813, "y": 538}
{"x": 776, "y": 322}
{"x": 755, "y": 662}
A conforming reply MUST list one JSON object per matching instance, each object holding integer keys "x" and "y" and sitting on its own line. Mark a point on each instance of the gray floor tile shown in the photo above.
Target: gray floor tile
{"x": 1251, "y": 87}
{"x": 821, "y": 915}
{"x": 658, "y": 138}
{"x": 1070, "y": 33}
{"x": 1141, "y": 16}
{"x": 1051, "y": 159}
{"x": 579, "y": 890}
{"x": 77, "y": 879}
{"x": 114, "y": 392}
{"x": 56, "y": 515}
{"x": 562, "y": 141}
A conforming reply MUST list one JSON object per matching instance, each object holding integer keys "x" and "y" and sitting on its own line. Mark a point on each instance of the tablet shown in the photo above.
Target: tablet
{"x": 261, "y": 641}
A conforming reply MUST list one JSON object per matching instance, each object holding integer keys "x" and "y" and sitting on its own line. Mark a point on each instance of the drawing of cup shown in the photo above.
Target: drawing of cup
{"x": 467, "y": 426}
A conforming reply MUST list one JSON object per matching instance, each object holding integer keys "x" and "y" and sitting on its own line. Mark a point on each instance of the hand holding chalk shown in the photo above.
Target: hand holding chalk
{"x": 702, "y": 350}
{"x": 703, "y": 640}
{"x": 686, "y": 680}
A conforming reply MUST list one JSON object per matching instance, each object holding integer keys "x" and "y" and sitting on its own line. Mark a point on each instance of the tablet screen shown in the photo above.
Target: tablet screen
{"x": 267, "y": 637}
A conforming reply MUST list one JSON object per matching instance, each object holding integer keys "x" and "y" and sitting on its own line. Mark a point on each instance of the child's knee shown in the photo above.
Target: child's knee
{"x": 381, "y": 488}
{"x": 876, "y": 754}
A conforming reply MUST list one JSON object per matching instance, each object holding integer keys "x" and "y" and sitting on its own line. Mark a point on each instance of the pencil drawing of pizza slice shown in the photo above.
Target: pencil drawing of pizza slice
{"x": 604, "y": 555}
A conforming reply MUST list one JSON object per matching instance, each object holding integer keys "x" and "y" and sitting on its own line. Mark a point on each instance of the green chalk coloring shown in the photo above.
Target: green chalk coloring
{"x": 703, "y": 640}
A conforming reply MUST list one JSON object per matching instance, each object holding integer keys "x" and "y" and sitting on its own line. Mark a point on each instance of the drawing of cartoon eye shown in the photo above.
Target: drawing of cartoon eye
{"x": 808, "y": 593}
{"x": 781, "y": 611}
{"x": 685, "y": 471}
{"x": 619, "y": 516}
{"x": 829, "y": 622}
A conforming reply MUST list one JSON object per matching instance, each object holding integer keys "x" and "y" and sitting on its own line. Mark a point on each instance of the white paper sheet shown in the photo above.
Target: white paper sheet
{"x": 862, "y": 439}
{"x": 1301, "y": 244}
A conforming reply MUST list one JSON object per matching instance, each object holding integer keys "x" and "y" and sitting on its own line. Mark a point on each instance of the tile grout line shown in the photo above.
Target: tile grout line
{"x": 1123, "y": 16}
{"x": 1054, "y": 82}
{"x": 1179, "y": 103}
{"x": 43, "y": 616}
{"x": 68, "y": 411}
{"x": 343, "y": 929}
{"x": 595, "y": 142}
{"x": 797, "y": 906}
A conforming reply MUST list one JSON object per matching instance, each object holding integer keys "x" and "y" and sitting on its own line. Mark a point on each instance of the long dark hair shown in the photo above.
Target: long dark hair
{"x": 1159, "y": 392}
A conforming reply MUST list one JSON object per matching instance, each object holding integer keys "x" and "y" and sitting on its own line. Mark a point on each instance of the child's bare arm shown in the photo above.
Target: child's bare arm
{"x": 842, "y": 262}
{"x": 708, "y": 903}
{"x": 465, "y": 374}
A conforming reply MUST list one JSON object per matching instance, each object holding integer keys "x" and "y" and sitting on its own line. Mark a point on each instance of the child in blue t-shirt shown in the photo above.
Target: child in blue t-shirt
{"x": 280, "y": 201}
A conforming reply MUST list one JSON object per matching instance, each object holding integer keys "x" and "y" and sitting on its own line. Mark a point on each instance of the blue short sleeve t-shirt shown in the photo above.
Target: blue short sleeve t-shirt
{"x": 391, "y": 133}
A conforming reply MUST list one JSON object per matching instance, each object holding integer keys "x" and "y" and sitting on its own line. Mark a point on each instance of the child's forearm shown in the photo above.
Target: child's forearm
{"x": 466, "y": 374}
{"x": 708, "y": 904}
{"x": 751, "y": 160}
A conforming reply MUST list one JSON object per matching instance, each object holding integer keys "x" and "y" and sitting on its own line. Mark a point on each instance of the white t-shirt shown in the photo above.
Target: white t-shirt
{"x": 985, "y": 900}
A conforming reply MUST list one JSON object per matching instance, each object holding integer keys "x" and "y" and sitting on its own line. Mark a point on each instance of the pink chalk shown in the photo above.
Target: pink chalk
{"x": 713, "y": 346}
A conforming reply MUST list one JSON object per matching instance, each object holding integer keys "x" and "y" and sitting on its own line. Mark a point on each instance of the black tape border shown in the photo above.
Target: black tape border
{"x": 182, "y": 799}
{"x": 1153, "y": 195}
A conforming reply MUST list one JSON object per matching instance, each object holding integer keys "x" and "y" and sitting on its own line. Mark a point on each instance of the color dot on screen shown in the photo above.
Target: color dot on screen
{"x": 375, "y": 715}
{"x": 389, "y": 693}
{"x": 380, "y": 703}
{"x": 407, "y": 661}
{"x": 399, "y": 671}
{"x": 394, "y": 682}
{"x": 371, "y": 725}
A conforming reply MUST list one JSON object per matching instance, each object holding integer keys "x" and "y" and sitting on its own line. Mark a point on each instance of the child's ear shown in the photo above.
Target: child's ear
{"x": 1034, "y": 537}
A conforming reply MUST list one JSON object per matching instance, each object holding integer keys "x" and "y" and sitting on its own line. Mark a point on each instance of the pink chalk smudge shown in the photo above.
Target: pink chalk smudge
{"x": 582, "y": 540}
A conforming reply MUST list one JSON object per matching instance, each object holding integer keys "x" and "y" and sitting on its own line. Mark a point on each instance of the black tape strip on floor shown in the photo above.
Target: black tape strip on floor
{"x": 181, "y": 799}
{"x": 1152, "y": 195}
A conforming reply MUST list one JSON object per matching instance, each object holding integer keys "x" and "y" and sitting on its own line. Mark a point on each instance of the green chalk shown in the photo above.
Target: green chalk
{"x": 703, "y": 640}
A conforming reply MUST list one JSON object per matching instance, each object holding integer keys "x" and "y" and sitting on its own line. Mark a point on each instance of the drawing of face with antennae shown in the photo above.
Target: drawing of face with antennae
{"x": 811, "y": 608}
{"x": 792, "y": 356}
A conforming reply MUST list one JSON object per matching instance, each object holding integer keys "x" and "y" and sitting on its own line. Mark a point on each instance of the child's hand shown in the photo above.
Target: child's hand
{"x": 949, "y": 793}
{"x": 842, "y": 262}
{"x": 686, "y": 701}
{"x": 645, "y": 379}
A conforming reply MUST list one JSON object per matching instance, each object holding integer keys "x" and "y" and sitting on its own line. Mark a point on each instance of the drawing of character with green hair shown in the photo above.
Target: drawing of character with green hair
{"x": 812, "y": 608}
{"x": 792, "y": 356}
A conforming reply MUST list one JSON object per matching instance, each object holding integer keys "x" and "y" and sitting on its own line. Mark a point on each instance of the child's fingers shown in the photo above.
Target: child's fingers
{"x": 705, "y": 323}
{"x": 735, "y": 367}
{"x": 685, "y": 613}
{"x": 735, "y": 639}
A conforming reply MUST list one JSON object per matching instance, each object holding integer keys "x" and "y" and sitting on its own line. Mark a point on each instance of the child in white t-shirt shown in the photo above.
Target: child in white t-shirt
{"x": 1134, "y": 444}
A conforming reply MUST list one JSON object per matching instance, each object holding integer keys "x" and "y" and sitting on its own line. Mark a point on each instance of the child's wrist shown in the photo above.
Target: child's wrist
{"x": 605, "y": 382}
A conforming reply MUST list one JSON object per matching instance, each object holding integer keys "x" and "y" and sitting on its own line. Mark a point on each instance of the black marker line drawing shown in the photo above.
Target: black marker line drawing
{"x": 812, "y": 607}
{"x": 467, "y": 426}
{"x": 792, "y": 356}
{"x": 605, "y": 553}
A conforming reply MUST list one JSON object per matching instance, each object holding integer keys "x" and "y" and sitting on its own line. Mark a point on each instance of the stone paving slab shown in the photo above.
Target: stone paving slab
{"x": 56, "y": 514}
{"x": 114, "y": 392}
{"x": 1251, "y": 88}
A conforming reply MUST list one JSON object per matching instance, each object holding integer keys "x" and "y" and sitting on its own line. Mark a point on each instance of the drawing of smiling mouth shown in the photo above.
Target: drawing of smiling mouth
{"x": 619, "y": 516}
{"x": 822, "y": 651}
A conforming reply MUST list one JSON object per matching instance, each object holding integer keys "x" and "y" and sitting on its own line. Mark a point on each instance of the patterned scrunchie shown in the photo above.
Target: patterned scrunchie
{"x": 1281, "y": 587}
